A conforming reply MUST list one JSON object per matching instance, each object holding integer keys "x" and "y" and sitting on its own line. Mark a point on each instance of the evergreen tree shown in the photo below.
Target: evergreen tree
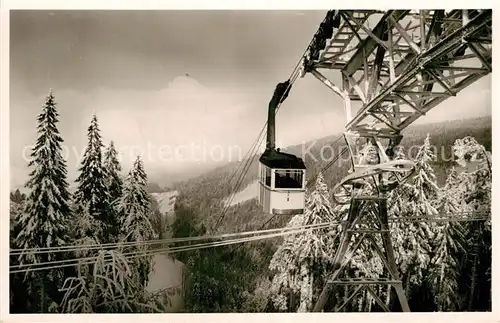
{"x": 399, "y": 197}
{"x": 285, "y": 285}
{"x": 477, "y": 178}
{"x": 108, "y": 285}
{"x": 17, "y": 206}
{"x": 368, "y": 154}
{"x": 449, "y": 241}
{"x": 111, "y": 287}
{"x": 477, "y": 161}
{"x": 113, "y": 168}
{"x": 114, "y": 184}
{"x": 88, "y": 230}
{"x": 92, "y": 190}
{"x": 399, "y": 153}
{"x": 141, "y": 174}
{"x": 398, "y": 206}
{"x": 44, "y": 223}
{"x": 17, "y": 196}
{"x": 424, "y": 182}
{"x": 301, "y": 261}
{"x": 417, "y": 198}
{"x": 134, "y": 208}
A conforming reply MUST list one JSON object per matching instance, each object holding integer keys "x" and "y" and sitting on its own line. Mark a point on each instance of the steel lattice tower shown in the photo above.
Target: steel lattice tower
{"x": 406, "y": 64}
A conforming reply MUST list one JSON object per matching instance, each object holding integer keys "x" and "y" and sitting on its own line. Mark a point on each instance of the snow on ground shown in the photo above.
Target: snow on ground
{"x": 167, "y": 274}
{"x": 248, "y": 193}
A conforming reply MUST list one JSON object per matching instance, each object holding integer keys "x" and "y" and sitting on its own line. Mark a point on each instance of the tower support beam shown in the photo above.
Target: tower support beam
{"x": 407, "y": 64}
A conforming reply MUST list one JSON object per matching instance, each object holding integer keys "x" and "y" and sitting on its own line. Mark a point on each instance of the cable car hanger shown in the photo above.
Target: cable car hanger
{"x": 281, "y": 175}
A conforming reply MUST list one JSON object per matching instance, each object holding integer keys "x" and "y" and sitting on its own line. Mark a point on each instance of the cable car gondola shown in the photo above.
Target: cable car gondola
{"x": 281, "y": 176}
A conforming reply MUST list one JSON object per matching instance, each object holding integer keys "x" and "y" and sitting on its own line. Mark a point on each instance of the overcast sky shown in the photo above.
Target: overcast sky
{"x": 129, "y": 67}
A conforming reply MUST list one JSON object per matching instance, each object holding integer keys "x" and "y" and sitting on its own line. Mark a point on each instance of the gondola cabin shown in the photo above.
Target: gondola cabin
{"x": 281, "y": 176}
{"x": 281, "y": 183}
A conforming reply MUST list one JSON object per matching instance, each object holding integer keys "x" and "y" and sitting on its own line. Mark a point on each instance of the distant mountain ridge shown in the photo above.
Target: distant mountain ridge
{"x": 214, "y": 187}
{"x": 202, "y": 181}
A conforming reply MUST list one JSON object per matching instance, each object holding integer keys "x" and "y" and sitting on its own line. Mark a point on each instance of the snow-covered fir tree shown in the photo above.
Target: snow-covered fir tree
{"x": 114, "y": 184}
{"x": 141, "y": 173}
{"x": 17, "y": 196}
{"x": 44, "y": 222}
{"x": 111, "y": 287}
{"x": 134, "y": 204}
{"x": 111, "y": 284}
{"x": 477, "y": 174}
{"x": 300, "y": 262}
{"x": 450, "y": 246}
{"x": 86, "y": 236}
{"x": 398, "y": 197}
{"x": 17, "y": 206}
{"x": 399, "y": 153}
{"x": 368, "y": 154}
{"x": 88, "y": 229}
{"x": 284, "y": 286}
{"x": 134, "y": 207}
{"x": 416, "y": 198}
{"x": 397, "y": 203}
{"x": 425, "y": 188}
{"x": 92, "y": 190}
{"x": 477, "y": 177}
{"x": 113, "y": 168}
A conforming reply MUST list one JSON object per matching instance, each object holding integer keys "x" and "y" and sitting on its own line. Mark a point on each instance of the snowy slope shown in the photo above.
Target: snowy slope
{"x": 166, "y": 201}
{"x": 248, "y": 193}
{"x": 167, "y": 272}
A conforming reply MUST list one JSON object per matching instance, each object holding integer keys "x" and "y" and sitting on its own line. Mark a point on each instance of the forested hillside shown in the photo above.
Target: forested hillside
{"x": 207, "y": 192}
{"x": 200, "y": 207}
